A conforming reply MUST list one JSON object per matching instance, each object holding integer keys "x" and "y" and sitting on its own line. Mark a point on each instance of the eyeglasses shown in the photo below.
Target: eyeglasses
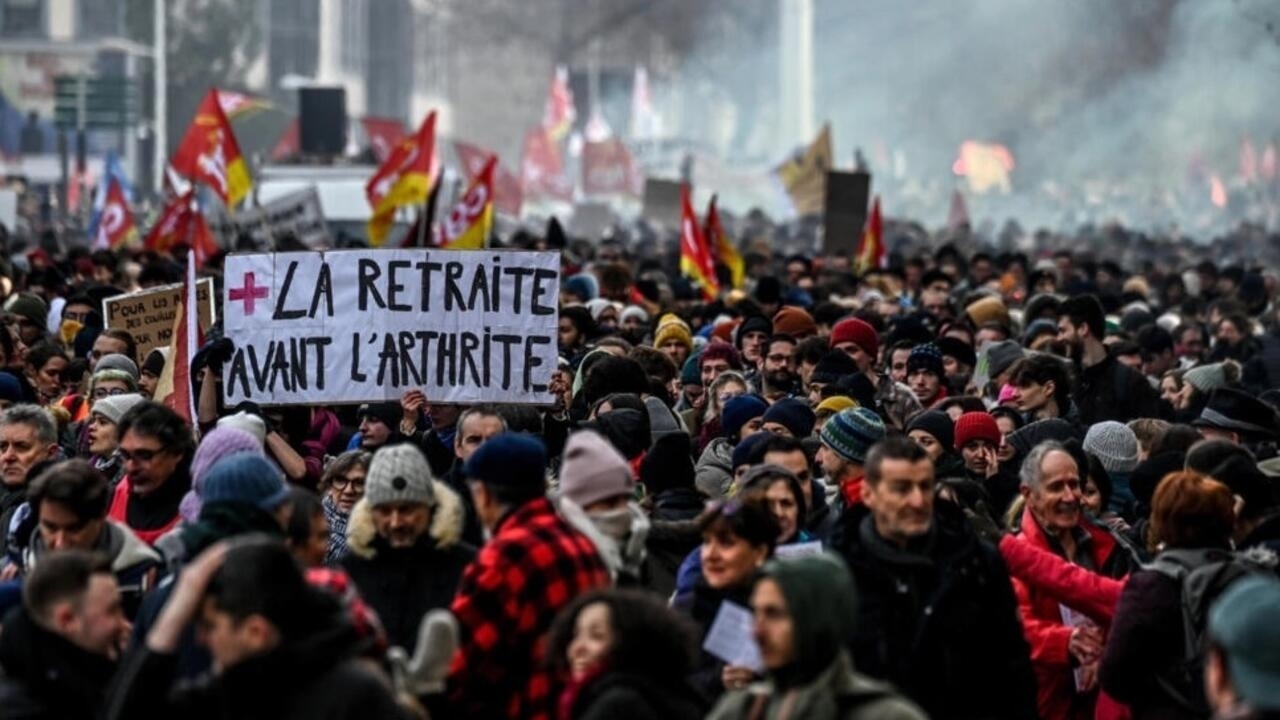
{"x": 99, "y": 393}
{"x": 725, "y": 397}
{"x": 341, "y": 483}
{"x": 141, "y": 455}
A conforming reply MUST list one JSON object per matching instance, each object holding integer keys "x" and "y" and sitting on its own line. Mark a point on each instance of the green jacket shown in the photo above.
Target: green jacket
{"x": 838, "y": 693}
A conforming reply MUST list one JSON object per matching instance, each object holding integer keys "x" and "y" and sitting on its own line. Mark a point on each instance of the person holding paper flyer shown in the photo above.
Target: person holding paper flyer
{"x": 802, "y": 625}
{"x": 738, "y": 536}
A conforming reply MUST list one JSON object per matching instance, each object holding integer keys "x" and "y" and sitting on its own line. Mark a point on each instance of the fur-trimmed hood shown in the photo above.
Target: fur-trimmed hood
{"x": 446, "y": 522}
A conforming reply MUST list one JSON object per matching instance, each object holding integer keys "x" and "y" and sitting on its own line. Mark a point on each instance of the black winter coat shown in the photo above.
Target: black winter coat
{"x": 45, "y": 676}
{"x": 403, "y": 584}
{"x": 1112, "y": 390}
{"x": 940, "y": 620}
{"x": 673, "y": 534}
{"x": 315, "y": 678}
{"x": 623, "y": 696}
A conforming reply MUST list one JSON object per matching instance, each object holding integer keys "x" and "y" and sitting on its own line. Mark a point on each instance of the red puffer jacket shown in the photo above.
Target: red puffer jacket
{"x": 1045, "y": 632}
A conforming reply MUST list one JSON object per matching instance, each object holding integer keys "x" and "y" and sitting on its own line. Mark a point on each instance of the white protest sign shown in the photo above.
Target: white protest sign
{"x": 352, "y": 326}
{"x": 298, "y": 213}
{"x": 730, "y": 637}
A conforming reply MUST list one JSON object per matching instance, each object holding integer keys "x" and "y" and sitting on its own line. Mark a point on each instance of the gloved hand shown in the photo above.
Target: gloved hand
{"x": 425, "y": 672}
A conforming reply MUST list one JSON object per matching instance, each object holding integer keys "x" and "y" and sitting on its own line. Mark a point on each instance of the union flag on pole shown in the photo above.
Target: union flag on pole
{"x": 542, "y": 170}
{"x": 695, "y": 257}
{"x": 174, "y": 386}
{"x": 172, "y": 226}
{"x": 507, "y": 196}
{"x": 210, "y": 154}
{"x": 726, "y": 253}
{"x": 115, "y": 224}
{"x": 404, "y": 179}
{"x": 872, "y": 253}
{"x": 384, "y": 134}
{"x": 203, "y": 246}
{"x": 560, "y": 113}
{"x": 235, "y": 104}
{"x": 467, "y": 225}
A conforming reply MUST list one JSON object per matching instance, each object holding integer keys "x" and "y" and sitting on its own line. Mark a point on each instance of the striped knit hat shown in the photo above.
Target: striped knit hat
{"x": 851, "y": 433}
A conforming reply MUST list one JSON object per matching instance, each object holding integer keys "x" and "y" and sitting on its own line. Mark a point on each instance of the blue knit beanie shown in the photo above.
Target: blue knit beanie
{"x": 245, "y": 479}
{"x": 738, "y": 411}
{"x": 851, "y": 433}
{"x": 792, "y": 414}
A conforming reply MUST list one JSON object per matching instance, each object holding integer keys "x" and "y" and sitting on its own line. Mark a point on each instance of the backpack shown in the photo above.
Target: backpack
{"x": 1203, "y": 576}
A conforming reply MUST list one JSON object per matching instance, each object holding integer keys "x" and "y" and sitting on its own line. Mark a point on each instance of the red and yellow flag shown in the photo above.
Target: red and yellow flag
{"x": 726, "y": 253}
{"x": 468, "y": 224}
{"x": 115, "y": 225}
{"x": 404, "y": 179}
{"x": 210, "y": 154}
{"x": 203, "y": 245}
{"x": 172, "y": 226}
{"x": 872, "y": 253}
{"x": 695, "y": 256}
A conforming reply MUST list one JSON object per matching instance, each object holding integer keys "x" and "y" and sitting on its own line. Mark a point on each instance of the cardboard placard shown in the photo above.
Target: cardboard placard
{"x": 298, "y": 213}
{"x": 148, "y": 314}
{"x": 350, "y": 326}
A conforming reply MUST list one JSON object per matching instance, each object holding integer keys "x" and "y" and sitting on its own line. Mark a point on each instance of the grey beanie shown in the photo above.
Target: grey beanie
{"x": 113, "y": 407}
{"x": 1114, "y": 444}
{"x": 116, "y": 361}
{"x": 1001, "y": 356}
{"x": 1207, "y": 378}
{"x": 399, "y": 474}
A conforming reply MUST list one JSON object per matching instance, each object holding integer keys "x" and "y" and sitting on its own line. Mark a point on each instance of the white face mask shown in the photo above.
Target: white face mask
{"x": 614, "y": 524}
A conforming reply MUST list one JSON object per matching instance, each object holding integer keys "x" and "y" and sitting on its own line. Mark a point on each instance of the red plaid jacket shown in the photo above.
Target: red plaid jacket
{"x": 534, "y": 566}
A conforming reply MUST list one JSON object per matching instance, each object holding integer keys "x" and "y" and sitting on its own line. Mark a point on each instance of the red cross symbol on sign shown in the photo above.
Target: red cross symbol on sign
{"x": 248, "y": 294}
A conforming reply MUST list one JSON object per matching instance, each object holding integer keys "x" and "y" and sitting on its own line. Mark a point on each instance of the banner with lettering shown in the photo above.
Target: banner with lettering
{"x": 350, "y": 326}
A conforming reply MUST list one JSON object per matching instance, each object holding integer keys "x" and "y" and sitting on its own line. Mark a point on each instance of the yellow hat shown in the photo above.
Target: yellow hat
{"x": 836, "y": 403}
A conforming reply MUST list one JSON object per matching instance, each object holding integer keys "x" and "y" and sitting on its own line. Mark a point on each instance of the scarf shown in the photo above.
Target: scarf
{"x": 337, "y": 531}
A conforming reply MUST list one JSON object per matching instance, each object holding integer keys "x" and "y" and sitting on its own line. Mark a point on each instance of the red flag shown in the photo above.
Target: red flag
{"x": 718, "y": 239}
{"x": 607, "y": 169}
{"x": 235, "y": 104}
{"x": 384, "y": 134}
{"x": 559, "y": 114}
{"x": 186, "y": 331}
{"x": 872, "y": 252}
{"x": 115, "y": 226}
{"x": 467, "y": 225}
{"x": 541, "y": 171}
{"x": 695, "y": 257}
{"x": 404, "y": 179}
{"x": 507, "y": 197}
{"x": 172, "y": 226}
{"x": 1268, "y": 166}
{"x": 210, "y": 154}
{"x": 289, "y": 144}
{"x": 1248, "y": 160}
{"x": 203, "y": 246}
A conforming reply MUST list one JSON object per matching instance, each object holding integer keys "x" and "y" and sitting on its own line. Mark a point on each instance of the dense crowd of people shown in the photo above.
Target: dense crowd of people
{"x": 981, "y": 482}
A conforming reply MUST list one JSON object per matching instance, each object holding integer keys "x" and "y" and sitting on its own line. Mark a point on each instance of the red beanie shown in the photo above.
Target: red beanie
{"x": 858, "y": 332}
{"x": 721, "y": 351}
{"x": 977, "y": 426}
